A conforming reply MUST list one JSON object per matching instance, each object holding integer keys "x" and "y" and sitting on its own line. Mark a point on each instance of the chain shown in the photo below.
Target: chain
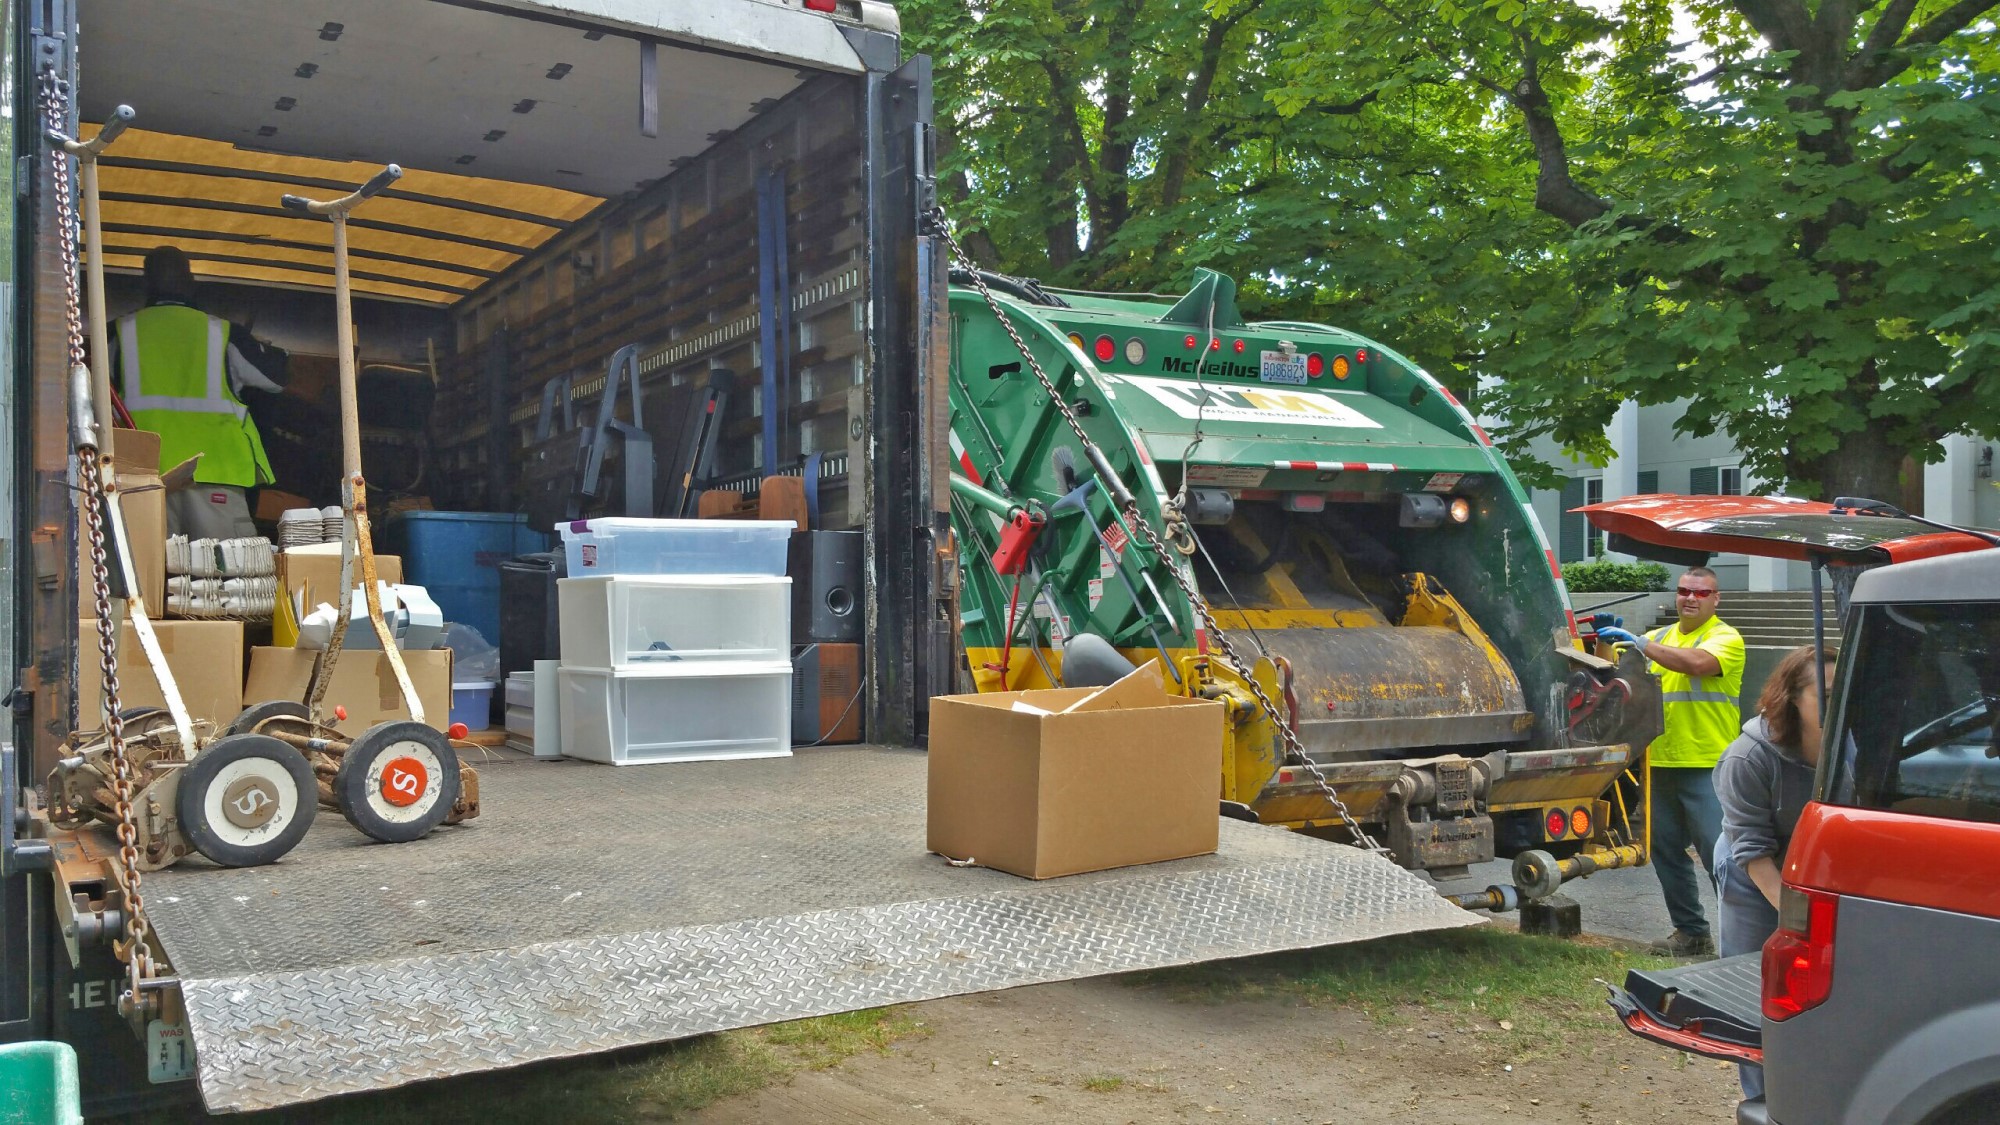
{"x": 95, "y": 513}
{"x": 1294, "y": 751}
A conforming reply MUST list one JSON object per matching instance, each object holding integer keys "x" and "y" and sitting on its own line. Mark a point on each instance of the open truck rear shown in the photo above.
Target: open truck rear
{"x": 738, "y": 190}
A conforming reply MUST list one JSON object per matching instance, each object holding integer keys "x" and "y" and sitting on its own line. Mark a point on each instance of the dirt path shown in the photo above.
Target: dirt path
{"x": 1112, "y": 1051}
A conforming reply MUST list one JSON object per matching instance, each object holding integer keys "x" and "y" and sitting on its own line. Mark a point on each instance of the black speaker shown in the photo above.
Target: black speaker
{"x": 528, "y": 629}
{"x": 826, "y": 586}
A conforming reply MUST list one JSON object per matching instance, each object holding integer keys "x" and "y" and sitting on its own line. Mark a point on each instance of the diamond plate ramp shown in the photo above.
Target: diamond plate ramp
{"x": 591, "y": 909}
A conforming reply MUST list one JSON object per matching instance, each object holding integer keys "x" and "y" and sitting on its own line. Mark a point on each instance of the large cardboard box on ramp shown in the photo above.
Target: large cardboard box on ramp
{"x": 1058, "y": 782}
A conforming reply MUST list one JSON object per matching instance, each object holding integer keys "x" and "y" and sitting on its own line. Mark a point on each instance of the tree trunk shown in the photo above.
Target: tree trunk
{"x": 1867, "y": 464}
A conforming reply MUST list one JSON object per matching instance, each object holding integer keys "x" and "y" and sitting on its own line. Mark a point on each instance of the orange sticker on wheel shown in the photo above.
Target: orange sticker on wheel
{"x": 404, "y": 782}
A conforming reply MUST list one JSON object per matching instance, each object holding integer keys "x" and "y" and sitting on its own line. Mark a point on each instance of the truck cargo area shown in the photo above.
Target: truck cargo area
{"x": 733, "y": 190}
{"x": 593, "y": 908}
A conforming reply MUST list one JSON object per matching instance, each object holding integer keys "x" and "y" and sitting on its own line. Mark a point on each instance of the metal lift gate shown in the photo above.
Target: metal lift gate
{"x": 594, "y": 909}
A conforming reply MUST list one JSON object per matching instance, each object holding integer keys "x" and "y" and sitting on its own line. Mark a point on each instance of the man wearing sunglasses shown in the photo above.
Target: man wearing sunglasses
{"x": 1699, "y": 660}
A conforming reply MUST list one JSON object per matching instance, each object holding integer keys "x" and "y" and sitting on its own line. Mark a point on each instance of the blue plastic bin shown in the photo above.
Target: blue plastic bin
{"x": 38, "y": 1085}
{"x": 457, "y": 556}
{"x": 472, "y": 704}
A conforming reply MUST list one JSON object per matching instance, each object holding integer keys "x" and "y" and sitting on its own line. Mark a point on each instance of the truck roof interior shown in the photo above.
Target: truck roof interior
{"x": 511, "y": 126}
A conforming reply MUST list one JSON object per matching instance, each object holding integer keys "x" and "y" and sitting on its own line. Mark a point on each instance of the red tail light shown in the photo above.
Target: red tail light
{"x": 1798, "y": 960}
{"x": 1315, "y": 365}
{"x": 1107, "y": 349}
{"x": 1556, "y": 823}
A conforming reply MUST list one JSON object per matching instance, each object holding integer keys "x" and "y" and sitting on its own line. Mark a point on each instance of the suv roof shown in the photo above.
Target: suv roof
{"x": 1972, "y": 577}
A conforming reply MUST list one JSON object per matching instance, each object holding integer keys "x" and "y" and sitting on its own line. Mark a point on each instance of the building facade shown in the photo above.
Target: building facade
{"x": 1651, "y": 457}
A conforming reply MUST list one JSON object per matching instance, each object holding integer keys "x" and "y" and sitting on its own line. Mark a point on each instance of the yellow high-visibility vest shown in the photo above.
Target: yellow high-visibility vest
{"x": 1702, "y": 713}
{"x": 174, "y": 362}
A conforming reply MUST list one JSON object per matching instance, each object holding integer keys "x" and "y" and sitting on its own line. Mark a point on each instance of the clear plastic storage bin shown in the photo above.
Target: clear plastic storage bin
{"x": 678, "y": 713}
{"x": 615, "y": 545}
{"x": 645, "y": 620}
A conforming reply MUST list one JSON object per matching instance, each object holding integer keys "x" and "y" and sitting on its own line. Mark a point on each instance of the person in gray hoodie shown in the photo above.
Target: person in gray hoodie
{"x": 1763, "y": 781}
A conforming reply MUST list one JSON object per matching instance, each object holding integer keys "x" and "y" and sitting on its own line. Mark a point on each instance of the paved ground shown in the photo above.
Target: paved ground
{"x": 1624, "y": 904}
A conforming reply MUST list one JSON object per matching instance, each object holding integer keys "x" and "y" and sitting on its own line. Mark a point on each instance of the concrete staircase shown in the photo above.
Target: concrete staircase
{"x": 1772, "y": 625}
{"x": 1781, "y": 619}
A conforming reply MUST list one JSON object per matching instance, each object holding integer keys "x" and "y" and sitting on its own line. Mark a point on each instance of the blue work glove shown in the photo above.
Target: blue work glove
{"x": 1603, "y": 621}
{"x": 1615, "y": 635}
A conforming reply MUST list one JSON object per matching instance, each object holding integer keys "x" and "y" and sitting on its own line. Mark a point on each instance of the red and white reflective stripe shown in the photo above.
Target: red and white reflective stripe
{"x": 1478, "y": 429}
{"x": 964, "y": 459}
{"x": 1336, "y": 466}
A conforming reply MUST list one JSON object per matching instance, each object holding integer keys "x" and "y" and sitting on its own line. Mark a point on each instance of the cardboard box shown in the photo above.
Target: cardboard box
{"x": 1057, "y": 782}
{"x": 316, "y": 570}
{"x": 273, "y": 502}
{"x": 144, "y": 501}
{"x": 205, "y": 657}
{"x": 311, "y": 575}
{"x": 363, "y": 683}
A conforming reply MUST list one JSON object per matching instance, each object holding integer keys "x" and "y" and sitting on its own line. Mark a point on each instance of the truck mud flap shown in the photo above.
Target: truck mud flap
{"x": 591, "y": 908}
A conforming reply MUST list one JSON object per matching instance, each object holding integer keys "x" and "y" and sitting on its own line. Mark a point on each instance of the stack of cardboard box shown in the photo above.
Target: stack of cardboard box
{"x": 205, "y": 657}
{"x": 363, "y": 685}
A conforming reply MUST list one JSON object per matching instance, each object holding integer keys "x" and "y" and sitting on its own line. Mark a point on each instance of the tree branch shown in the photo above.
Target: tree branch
{"x": 1556, "y": 192}
{"x": 1348, "y": 109}
{"x": 1953, "y": 19}
{"x": 1785, "y": 24}
{"x": 1878, "y": 59}
{"x": 1180, "y": 150}
{"x": 1887, "y": 30}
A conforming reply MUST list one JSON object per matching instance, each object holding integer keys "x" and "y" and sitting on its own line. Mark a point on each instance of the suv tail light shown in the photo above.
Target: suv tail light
{"x": 1798, "y": 959}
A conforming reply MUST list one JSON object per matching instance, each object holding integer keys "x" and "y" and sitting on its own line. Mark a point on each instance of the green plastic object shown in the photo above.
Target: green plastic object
{"x": 38, "y": 1085}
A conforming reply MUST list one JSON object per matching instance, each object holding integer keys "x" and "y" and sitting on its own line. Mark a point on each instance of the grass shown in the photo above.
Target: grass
{"x": 645, "y": 1084}
{"x": 1525, "y": 990}
{"x": 1103, "y": 1083}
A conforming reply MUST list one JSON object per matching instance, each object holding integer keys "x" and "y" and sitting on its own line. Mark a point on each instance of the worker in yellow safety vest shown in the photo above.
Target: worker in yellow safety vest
{"x": 181, "y": 373}
{"x": 1699, "y": 660}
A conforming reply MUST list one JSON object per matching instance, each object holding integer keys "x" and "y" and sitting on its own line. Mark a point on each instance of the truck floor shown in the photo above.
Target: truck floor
{"x": 590, "y": 908}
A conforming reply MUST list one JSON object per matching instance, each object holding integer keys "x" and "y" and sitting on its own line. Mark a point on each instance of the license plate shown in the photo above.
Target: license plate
{"x": 169, "y": 1054}
{"x": 1277, "y": 367}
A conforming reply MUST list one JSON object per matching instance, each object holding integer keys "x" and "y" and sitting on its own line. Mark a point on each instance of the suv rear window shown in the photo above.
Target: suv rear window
{"x": 1920, "y": 694}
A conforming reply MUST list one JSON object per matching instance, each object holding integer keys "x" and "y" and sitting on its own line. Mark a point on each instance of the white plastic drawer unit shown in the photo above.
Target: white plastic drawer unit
{"x": 615, "y": 545}
{"x": 678, "y": 713}
{"x": 643, "y": 621}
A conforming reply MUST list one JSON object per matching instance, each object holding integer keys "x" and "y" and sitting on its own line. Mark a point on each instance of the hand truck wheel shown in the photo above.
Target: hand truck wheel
{"x": 246, "y": 800}
{"x": 256, "y": 713}
{"x": 138, "y": 722}
{"x": 397, "y": 781}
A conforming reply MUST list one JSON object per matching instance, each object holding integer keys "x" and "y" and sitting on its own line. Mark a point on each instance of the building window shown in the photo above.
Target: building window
{"x": 1716, "y": 480}
{"x": 1593, "y": 493}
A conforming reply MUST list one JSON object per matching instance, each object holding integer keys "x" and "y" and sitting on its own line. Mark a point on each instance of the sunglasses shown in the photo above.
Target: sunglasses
{"x": 1688, "y": 592}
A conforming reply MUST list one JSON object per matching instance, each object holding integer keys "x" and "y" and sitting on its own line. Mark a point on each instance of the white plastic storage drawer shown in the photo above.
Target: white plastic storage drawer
{"x": 678, "y": 713}
{"x": 647, "y": 621}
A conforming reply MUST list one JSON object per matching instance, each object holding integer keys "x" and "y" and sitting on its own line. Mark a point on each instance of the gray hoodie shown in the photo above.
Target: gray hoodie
{"x": 1763, "y": 788}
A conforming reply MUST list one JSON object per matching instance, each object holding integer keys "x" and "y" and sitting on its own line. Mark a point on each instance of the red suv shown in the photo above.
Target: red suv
{"x": 1878, "y": 998}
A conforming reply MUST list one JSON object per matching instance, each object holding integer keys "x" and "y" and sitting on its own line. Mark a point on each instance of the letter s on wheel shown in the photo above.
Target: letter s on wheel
{"x": 397, "y": 781}
{"x": 246, "y": 799}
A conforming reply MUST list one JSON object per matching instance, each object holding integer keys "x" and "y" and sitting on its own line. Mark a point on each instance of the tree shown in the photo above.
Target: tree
{"x": 1063, "y": 120}
{"x": 1795, "y": 232}
{"x": 1777, "y": 211}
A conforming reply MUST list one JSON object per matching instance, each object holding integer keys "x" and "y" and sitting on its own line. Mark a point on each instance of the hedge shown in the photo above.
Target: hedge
{"x": 1604, "y": 577}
